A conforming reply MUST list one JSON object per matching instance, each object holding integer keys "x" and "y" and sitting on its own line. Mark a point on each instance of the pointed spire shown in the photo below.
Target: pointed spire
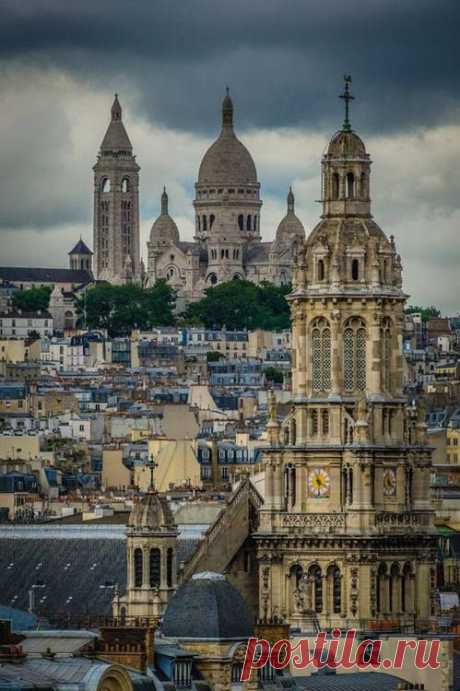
{"x": 290, "y": 199}
{"x": 347, "y": 97}
{"x": 116, "y": 109}
{"x": 164, "y": 202}
{"x": 227, "y": 110}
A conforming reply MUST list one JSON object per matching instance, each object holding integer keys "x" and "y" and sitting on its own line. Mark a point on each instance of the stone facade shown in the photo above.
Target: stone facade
{"x": 227, "y": 243}
{"x": 345, "y": 536}
{"x": 116, "y": 206}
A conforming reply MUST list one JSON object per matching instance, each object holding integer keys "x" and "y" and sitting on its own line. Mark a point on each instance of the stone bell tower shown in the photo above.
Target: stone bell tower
{"x": 151, "y": 557}
{"x": 116, "y": 205}
{"x": 345, "y": 536}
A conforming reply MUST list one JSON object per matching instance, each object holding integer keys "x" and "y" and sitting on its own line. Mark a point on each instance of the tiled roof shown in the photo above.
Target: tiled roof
{"x": 81, "y": 248}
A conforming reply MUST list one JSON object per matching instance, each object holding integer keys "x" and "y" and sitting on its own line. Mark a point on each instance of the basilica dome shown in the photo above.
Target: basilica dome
{"x": 290, "y": 228}
{"x": 164, "y": 228}
{"x": 227, "y": 161}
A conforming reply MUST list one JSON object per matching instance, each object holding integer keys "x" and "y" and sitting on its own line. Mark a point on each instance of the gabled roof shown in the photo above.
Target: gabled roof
{"x": 81, "y": 248}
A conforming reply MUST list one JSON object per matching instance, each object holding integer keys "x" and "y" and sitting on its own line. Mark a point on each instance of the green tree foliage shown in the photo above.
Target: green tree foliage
{"x": 426, "y": 312}
{"x": 242, "y": 305}
{"x": 275, "y": 375}
{"x": 214, "y": 356}
{"x": 32, "y": 299}
{"x": 120, "y": 309}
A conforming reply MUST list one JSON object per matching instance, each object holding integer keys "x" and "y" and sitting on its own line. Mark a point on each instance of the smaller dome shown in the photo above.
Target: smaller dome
{"x": 151, "y": 514}
{"x": 208, "y": 606}
{"x": 290, "y": 227}
{"x": 164, "y": 228}
{"x": 346, "y": 143}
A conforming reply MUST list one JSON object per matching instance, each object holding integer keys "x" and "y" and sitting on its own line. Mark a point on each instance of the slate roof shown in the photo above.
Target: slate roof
{"x": 81, "y": 248}
{"x": 40, "y": 275}
{"x": 207, "y": 606}
{"x": 69, "y": 567}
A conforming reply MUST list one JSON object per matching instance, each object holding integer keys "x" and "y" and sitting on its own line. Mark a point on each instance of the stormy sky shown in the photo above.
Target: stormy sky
{"x": 170, "y": 60}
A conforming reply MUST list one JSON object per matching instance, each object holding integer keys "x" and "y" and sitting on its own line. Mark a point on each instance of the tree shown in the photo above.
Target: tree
{"x": 32, "y": 299}
{"x": 120, "y": 309}
{"x": 426, "y": 312}
{"x": 242, "y": 305}
{"x": 273, "y": 374}
{"x": 214, "y": 356}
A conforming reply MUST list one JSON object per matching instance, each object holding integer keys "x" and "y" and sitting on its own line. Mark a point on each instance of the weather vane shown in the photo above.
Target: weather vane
{"x": 152, "y": 465}
{"x": 347, "y": 97}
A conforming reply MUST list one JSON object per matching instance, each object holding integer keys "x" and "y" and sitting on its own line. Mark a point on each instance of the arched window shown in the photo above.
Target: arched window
{"x": 354, "y": 355}
{"x": 241, "y": 222}
{"x": 350, "y": 185}
{"x": 325, "y": 422}
{"x": 105, "y": 185}
{"x": 320, "y": 269}
{"x": 212, "y": 278}
{"x": 212, "y": 218}
{"x": 155, "y": 567}
{"x": 385, "y": 339}
{"x": 355, "y": 269}
{"x": 248, "y": 223}
{"x": 335, "y": 589}
{"x": 125, "y": 185}
{"x": 347, "y": 475}
{"x": 321, "y": 355}
{"x": 205, "y": 223}
{"x": 335, "y": 186}
{"x": 394, "y": 589}
{"x": 169, "y": 567}
{"x": 382, "y": 588}
{"x": 255, "y": 223}
{"x": 138, "y": 567}
{"x": 293, "y": 432}
{"x": 314, "y": 427}
{"x": 316, "y": 580}
{"x": 198, "y": 224}
{"x": 363, "y": 186}
{"x": 123, "y": 616}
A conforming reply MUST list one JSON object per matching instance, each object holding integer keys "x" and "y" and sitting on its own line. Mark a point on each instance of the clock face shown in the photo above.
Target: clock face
{"x": 389, "y": 483}
{"x": 319, "y": 483}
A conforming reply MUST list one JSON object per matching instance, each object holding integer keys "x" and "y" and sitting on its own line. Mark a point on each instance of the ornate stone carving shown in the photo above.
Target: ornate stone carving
{"x": 318, "y": 520}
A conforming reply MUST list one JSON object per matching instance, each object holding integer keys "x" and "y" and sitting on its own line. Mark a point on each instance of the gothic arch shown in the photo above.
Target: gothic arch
{"x": 105, "y": 185}
{"x": 354, "y": 354}
{"x": 321, "y": 354}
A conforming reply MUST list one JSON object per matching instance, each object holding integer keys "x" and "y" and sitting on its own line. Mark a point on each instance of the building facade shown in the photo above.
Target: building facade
{"x": 345, "y": 534}
{"x": 227, "y": 243}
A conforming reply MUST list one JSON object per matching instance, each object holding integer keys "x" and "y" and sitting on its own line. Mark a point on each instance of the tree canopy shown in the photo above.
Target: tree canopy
{"x": 426, "y": 312}
{"x": 241, "y": 304}
{"x": 120, "y": 309}
{"x": 32, "y": 299}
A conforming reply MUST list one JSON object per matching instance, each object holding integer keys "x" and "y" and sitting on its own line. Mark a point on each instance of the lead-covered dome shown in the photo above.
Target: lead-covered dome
{"x": 151, "y": 514}
{"x": 346, "y": 143}
{"x": 164, "y": 228}
{"x": 227, "y": 161}
{"x": 207, "y": 606}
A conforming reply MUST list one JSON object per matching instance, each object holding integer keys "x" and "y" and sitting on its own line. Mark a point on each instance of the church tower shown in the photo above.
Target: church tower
{"x": 345, "y": 536}
{"x": 151, "y": 557}
{"x": 116, "y": 205}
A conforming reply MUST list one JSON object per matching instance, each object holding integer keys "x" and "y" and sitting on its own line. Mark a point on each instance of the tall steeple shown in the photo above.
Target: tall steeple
{"x": 164, "y": 202}
{"x": 116, "y": 204}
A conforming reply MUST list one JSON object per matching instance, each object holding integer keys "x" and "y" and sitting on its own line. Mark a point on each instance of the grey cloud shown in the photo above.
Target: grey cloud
{"x": 284, "y": 60}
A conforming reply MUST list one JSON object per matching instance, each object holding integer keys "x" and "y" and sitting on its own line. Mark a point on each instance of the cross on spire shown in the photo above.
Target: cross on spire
{"x": 152, "y": 465}
{"x": 347, "y": 97}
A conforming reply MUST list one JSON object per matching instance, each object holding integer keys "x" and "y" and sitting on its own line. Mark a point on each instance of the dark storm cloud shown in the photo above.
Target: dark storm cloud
{"x": 283, "y": 58}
